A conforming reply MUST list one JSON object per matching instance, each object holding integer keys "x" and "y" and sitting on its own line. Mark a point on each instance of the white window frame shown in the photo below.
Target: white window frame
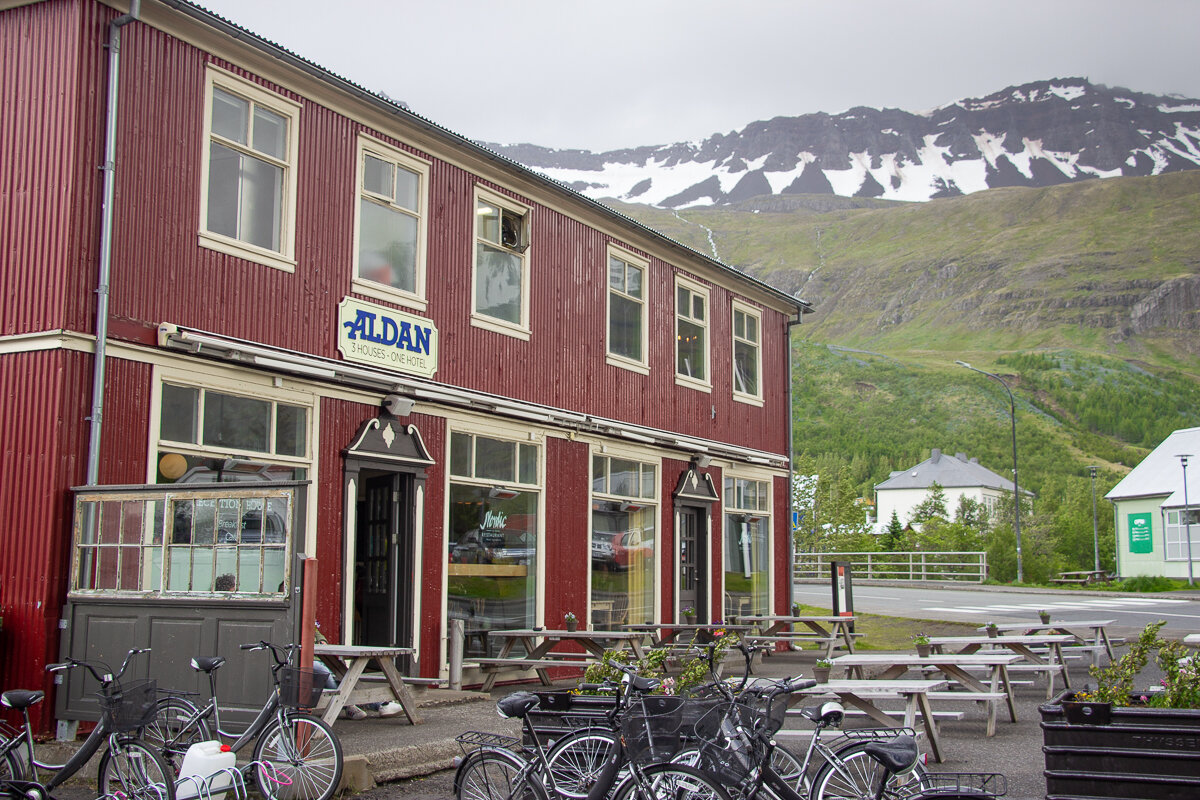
{"x": 1174, "y": 530}
{"x": 752, "y": 398}
{"x": 768, "y": 513}
{"x": 521, "y": 330}
{"x": 610, "y": 452}
{"x": 705, "y": 384}
{"x": 284, "y": 259}
{"x": 614, "y": 359}
{"x": 382, "y": 291}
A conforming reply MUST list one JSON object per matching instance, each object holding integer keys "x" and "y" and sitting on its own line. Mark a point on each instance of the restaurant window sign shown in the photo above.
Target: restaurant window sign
{"x": 384, "y": 337}
{"x": 492, "y": 537}
{"x": 1141, "y": 538}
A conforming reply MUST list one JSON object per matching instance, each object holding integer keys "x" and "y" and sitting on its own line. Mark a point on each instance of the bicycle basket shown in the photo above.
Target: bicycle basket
{"x": 130, "y": 706}
{"x": 726, "y": 751}
{"x": 963, "y": 784}
{"x": 298, "y": 688}
{"x": 651, "y": 728}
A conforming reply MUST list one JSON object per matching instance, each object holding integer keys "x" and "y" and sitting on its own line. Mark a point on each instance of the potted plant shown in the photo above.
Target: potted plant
{"x": 1044, "y": 616}
{"x": 1117, "y": 741}
{"x": 689, "y": 616}
{"x": 993, "y": 630}
{"x": 571, "y": 620}
{"x": 922, "y": 643}
{"x": 795, "y": 609}
{"x": 821, "y": 670}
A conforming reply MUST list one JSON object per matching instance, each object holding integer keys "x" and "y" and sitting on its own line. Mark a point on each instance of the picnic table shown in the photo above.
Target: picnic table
{"x": 1098, "y": 640}
{"x": 832, "y": 631}
{"x": 1193, "y": 639}
{"x": 667, "y": 634}
{"x": 915, "y": 693}
{"x": 1083, "y": 577}
{"x": 951, "y": 665}
{"x": 1022, "y": 645}
{"x": 349, "y": 662}
{"x": 543, "y": 655}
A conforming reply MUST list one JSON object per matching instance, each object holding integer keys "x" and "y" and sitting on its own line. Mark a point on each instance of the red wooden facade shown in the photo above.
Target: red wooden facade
{"x": 52, "y": 88}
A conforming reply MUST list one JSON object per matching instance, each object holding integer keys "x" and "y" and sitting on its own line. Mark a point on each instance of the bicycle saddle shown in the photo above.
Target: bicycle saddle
{"x": 897, "y": 755}
{"x": 641, "y": 684}
{"x": 207, "y": 664}
{"x": 517, "y": 704}
{"x": 826, "y": 713}
{"x": 21, "y": 698}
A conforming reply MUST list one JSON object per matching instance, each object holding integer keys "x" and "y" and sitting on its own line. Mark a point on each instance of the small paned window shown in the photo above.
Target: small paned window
{"x": 747, "y": 547}
{"x": 626, "y": 308}
{"x": 1178, "y": 524}
{"x": 746, "y": 352}
{"x": 487, "y": 459}
{"x": 691, "y": 333}
{"x": 390, "y": 257}
{"x": 501, "y": 275}
{"x": 250, "y": 161}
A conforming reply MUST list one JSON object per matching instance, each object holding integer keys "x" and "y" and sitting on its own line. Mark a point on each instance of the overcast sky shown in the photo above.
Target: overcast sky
{"x": 615, "y": 73}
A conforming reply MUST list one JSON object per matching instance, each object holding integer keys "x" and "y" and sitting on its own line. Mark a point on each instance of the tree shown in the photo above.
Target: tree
{"x": 932, "y": 507}
{"x": 893, "y": 537}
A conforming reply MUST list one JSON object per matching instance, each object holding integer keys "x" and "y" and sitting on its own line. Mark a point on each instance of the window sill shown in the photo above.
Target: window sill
{"x": 692, "y": 383}
{"x": 232, "y": 247}
{"x": 748, "y": 399}
{"x": 378, "y": 291}
{"x": 627, "y": 364}
{"x": 496, "y": 326}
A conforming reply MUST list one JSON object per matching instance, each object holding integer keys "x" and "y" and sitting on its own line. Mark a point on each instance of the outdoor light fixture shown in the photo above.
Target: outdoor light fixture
{"x": 500, "y": 493}
{"x": 1012, "y": 408}
{"x": 1095, "y": 529}
{"x": 627, "y": 506}
{"x": 702, "y": 461}
{"x": 1187, "y": 516}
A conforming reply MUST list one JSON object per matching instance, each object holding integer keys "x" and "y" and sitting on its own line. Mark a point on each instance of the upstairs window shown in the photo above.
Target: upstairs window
{"x": 626, "y": 309}
{"x": 249, "y": 162}
{"x": 747, "y": 354}
{"x": 390, "y": 252}
{"x": 501, "y": 274}
{"x": 691, "y": 334}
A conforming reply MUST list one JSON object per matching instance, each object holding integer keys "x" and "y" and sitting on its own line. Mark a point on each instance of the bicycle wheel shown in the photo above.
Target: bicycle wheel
{"x": 302, "y": 758}
{"x": 576, "y": 759}
{"x": 790, "y": 769}
{"x": 857, "y": 777}
{"x": 667, "y": 781}
{"x": 134, "y": 769}
{"x": 493, "y": 774}
{"x": 171, "y": 734}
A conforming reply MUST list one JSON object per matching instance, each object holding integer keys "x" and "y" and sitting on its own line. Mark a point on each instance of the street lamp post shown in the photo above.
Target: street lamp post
{"x": 1095, "y": 528}
{"x": 1012, "y": 408}
{"x": 1187, "y": 517}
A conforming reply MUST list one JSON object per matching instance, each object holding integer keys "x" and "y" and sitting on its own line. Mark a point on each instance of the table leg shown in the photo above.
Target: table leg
{"x": 1012, "y": 708}
{"x": 931, "y": 730}
{"x": 346, "y": 684}
{"x": 400, "y": 690}
{"x": 1056, "y": 648}
{"x": 869, "y": 708}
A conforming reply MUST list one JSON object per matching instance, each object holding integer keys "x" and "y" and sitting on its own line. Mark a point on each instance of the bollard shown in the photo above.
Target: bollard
{"x": 457, "y": 637}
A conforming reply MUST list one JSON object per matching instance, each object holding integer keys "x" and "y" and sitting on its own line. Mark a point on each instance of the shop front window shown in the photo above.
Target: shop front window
{"x": 624, "y": 540}
{"x": 747, "y": 547}
{"x": 493, "y": 536}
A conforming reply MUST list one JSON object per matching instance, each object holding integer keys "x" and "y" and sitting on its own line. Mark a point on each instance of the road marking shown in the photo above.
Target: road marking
{"x": 1122, "y": 603}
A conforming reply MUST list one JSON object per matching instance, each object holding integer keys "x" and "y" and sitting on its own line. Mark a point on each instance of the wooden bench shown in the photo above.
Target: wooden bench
{"x": 1069, "y": 581}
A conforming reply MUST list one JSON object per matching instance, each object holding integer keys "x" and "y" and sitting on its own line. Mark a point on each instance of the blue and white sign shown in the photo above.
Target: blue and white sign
{"x": 387, "y": 338}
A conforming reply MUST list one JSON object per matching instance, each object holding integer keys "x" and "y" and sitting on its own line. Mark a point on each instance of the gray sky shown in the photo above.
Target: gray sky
{"x": 615, "y": 73}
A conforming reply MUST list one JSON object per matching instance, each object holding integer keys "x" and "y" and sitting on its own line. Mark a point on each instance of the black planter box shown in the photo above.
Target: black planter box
{"x": 1096, "y": 751}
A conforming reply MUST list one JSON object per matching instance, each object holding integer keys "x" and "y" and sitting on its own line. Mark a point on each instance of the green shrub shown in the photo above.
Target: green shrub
{"x": 1148, "y": 583}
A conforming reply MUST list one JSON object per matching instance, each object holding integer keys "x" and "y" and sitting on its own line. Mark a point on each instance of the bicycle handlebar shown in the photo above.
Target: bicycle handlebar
{"x": 101, "y": 671}
{"x": 276, "y": 649}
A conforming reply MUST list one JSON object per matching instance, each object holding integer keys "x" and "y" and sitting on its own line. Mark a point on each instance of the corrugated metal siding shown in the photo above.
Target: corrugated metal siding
{"x": 568, "y": 550}
{"x": 42, "y": 434}
{"x": 781, "y": 603}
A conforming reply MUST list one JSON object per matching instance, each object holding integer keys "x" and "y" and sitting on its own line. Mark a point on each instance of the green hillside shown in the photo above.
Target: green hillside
{"x": 1084, "y": 297}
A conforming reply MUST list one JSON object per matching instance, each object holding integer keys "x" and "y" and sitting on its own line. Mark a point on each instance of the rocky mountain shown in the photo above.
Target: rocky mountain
{"x": 1038, "y": 134}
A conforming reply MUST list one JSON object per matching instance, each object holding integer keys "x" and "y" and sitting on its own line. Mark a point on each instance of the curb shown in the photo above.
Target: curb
{"x": 1183, "y": 594}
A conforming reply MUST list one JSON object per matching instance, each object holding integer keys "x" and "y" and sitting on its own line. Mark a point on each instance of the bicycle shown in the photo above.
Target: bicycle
{"x": 299, "y": 756}
{"x": 129, "y": 765}
{"x": 498, "y": 770}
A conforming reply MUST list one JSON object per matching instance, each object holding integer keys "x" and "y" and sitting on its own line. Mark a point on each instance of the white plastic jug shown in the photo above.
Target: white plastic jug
{"x": 202, "y": 775}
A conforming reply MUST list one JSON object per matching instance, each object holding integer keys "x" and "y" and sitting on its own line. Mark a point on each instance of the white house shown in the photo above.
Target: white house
{"x": 958, "y": 476}
{"x": 1154, "y": 511}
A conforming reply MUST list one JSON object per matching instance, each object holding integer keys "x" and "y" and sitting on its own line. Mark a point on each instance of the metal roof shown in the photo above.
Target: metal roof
{"x": 1161, "y": 473}
{"x": 947, "y": 471}
{"x": 400, "y": 110}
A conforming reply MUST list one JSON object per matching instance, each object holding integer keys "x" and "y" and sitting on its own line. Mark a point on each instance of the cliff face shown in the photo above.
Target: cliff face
{"x": 1038, "y": 134}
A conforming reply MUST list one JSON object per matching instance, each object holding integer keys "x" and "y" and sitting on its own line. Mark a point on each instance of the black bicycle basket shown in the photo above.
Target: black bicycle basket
{"x": 298, "y": 688}
{"x": 651, "y": 728}
{"x": 130, "y": 705}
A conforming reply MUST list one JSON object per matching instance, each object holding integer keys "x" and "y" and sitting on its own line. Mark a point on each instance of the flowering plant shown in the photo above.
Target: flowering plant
{"x": 920, "y": 638}
{"x": 1179, "y": 686}
{"x": 795, "y": 609}
{"x": 570, "y": 617}
{"x": 689, "y": 611}
{"x": 823, "y": 663}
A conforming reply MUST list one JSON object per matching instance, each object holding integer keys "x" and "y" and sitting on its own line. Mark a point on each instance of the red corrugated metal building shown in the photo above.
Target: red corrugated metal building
{"x": 495, "y": 399}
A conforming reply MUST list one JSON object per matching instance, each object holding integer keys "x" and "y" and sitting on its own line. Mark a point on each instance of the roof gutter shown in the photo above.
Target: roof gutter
{"x": 106, "y": 232}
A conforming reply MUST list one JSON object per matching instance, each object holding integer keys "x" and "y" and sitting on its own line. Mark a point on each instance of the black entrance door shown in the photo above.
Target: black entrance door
{"x": 692, "y": 562}
{"x": 383, "y": 596}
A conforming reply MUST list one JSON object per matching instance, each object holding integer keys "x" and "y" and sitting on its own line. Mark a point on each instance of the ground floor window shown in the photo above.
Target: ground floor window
{"x": 493, "y": 536}
{"x": 1177, "y": 524}
{"x": 747, "y": 547}
{"x": 624, "y": 540}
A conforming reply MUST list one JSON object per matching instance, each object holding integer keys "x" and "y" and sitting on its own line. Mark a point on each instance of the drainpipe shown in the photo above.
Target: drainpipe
{"x": 106, "y": 225}
{"x": 791, "y": 566}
